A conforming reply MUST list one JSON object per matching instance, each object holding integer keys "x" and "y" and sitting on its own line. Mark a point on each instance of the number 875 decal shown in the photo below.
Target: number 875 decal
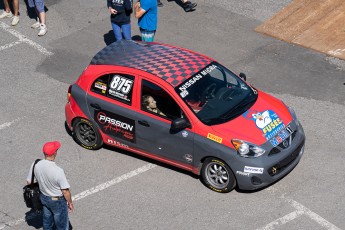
{"x": 121, "y": 84}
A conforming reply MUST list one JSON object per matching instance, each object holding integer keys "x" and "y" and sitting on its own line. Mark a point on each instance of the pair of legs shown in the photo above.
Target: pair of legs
{"x": 39, "y": 8}
{"x": 55, "y": 213}
{"x": 15, "y": 7}
{"x": 8, "y": 14}
{"x": 123, "y": 29}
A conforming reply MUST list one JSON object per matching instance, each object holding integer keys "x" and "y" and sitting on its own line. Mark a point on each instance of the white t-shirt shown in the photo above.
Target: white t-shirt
{"x": 50, "y": 177}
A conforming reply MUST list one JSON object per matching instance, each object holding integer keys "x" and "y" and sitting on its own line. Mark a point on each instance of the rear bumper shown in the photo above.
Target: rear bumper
{"x": 69, "y": 114}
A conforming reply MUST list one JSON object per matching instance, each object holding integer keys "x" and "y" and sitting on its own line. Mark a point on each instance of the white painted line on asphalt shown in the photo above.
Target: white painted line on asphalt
{"x": 300, "y": 210}
{"x": 117, "y": 180}
{"x": 321, "y": 221}
{"x": 9, "y": 45}
{"x": 282, "y": 220}
{"x": 91, "y": 191}
{"x": 8, "y": 124}
{"x": 22, "y": 38}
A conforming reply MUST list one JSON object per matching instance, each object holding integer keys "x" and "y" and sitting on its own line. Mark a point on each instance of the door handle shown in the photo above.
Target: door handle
{"x": 95, "y": 106}
{"x": 144, "y": 123}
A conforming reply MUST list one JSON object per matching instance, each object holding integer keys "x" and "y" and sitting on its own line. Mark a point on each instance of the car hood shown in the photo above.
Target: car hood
{"x": 260, "y": 123}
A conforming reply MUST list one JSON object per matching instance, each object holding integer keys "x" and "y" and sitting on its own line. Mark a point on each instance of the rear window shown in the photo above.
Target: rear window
{"x": 115, "y": 86}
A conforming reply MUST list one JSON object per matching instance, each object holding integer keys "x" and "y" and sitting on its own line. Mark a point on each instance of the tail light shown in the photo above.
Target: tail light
{"x": 69, "y": 93}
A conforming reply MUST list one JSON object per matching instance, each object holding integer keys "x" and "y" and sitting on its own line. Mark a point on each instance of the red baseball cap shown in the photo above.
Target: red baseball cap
{"x": 50, "y": 148}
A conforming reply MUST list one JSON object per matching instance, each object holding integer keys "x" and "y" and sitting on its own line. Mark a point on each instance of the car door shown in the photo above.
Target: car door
{"x": 153, "y": 132}
{"x": 110, "y": 103}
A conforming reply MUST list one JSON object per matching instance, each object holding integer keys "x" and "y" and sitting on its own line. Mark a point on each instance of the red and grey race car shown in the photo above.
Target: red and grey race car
{"x": 187, "y": 110}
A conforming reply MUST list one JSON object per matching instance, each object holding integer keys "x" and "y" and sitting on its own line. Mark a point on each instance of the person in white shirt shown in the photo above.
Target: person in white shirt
{"x": 54, "y": 187}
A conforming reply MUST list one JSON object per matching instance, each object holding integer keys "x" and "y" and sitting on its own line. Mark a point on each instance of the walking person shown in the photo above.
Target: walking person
{"x": 8, "y": 14}
{"x": 41, "y": 20}
{"x": 54, "y": 187}
{"x": 147, "y": 13}
{"x": 120, "y": 11}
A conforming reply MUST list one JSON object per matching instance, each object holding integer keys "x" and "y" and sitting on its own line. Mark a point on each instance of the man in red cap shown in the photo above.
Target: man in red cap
{"x": 55, "y": 195}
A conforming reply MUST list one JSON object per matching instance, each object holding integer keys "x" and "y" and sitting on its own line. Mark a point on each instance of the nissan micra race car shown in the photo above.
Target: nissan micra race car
{"x": 187, "y": 110}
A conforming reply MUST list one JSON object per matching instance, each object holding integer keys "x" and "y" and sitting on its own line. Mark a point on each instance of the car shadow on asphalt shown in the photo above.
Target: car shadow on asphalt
{"x": 176, "y": 169}
{"x": 149, "y": 160}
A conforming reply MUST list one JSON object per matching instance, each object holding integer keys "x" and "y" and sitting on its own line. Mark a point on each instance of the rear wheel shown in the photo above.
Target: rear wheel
{"x": 217, "y": 175}
{"x": 86, "y": 134}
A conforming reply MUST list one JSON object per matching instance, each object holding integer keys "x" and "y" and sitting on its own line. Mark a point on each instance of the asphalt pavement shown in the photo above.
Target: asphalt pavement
{"x": 118, "y": 190}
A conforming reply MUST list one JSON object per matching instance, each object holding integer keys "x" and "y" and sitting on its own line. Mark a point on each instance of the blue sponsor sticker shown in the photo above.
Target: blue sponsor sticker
{"x": 267, "y": 121}
{"x": 283, "y": 135}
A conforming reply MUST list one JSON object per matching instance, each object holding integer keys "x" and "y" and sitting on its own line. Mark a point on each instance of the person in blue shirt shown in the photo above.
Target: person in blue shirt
{"x": 147, "y": 13}
{"x": 120, "y": 11}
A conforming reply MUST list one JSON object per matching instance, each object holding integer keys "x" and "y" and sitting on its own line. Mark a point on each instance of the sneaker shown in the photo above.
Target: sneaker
{"x": 15, "y": 20}
{"x": 159, "y": 3}
{"x": 35, "y": 25}
{"x": 6, "y": 14}
{"x": 188, "y": 6}
{"x": 43, "y": 30}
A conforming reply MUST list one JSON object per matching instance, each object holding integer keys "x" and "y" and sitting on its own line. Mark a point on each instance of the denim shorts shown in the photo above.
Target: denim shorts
{"x": 39, "y": 4}
{"x": 147, "y": 35}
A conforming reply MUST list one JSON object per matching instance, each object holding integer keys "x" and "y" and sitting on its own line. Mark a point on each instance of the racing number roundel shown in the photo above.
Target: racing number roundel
{"x": 120, "y": 87}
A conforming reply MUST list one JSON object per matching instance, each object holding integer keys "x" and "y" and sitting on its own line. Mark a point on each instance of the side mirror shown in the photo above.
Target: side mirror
{"x": 243, "y": 76}
{"x": 179, "y": 124}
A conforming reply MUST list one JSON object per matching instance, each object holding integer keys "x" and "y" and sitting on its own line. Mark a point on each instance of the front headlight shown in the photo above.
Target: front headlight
{"x": 245, "y": 149}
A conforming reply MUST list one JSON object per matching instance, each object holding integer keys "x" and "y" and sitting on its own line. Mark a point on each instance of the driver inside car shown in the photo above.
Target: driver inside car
{"x": 150, "y": 104}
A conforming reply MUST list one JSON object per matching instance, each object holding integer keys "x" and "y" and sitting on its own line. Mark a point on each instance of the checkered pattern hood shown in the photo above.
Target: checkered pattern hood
{"x": 172, "y": 64}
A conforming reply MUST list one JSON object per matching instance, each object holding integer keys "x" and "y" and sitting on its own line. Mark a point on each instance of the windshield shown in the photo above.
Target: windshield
{"x": 216, "y": 95}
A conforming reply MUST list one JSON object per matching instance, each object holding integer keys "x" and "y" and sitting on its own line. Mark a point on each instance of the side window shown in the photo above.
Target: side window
{"x": 157, "y": 101}
{"x": 115, "y": 86}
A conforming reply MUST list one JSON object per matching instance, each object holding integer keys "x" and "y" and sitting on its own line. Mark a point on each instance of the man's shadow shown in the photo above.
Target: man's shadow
{"x": 35, "y": 219}
{"x": 31, "y": 12}
{"x": 110, "y": 37}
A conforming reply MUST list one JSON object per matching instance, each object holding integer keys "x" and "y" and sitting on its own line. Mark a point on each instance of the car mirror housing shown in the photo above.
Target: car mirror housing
{"x": 179, "y": 124}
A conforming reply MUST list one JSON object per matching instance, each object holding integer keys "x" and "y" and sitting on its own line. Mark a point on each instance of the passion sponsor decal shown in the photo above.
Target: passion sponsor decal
{"x": 120, "y": 87}
{"x": 214, "y": 138}
{"x": 116, "y": 125}
{"x": 268, "y": 121}
{"x": 255, "y": 170}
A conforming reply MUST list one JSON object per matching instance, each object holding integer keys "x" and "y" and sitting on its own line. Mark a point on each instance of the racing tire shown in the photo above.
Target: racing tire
{"x": 217, "y": 175}
{"x": 86, "y": 134}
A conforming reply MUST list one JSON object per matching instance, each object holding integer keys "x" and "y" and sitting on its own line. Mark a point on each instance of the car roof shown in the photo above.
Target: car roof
{"x": 172, "y": 64}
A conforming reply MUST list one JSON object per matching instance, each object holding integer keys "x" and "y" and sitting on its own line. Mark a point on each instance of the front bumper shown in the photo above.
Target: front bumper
{"x": 256, "y": 173}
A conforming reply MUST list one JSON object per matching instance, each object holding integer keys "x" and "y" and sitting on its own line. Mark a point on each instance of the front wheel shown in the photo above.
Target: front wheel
{"x": 86, "y": 134}
{"x": 217, "y": 175}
